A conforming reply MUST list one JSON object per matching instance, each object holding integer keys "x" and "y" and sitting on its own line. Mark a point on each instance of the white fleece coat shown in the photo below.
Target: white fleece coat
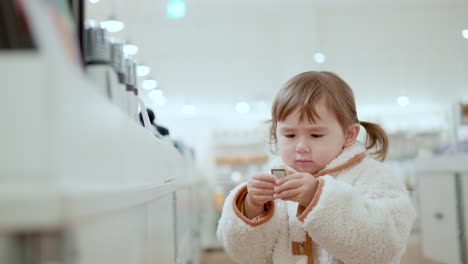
{"x": 360, "y": 214}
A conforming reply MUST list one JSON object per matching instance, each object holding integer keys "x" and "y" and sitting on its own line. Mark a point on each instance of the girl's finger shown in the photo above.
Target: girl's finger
{"x": 286, "y": 194}
{"x": 291, "y": 184}
{"x": 264, "y": 177}
{"x": 290, "y": 198}
{"x": 256, "y": 191}
{"x": 263, "y": 184}
{"x": 288, "y": 178}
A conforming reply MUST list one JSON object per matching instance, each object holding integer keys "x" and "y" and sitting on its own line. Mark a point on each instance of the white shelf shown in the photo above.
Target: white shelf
{"x": 68, "y": 152}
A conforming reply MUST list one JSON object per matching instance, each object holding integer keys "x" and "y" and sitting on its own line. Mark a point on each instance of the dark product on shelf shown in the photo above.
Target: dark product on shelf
{"x": 14, "y": 26}
{"x": 118, "y": 60}
{"x": 97, "y": 48}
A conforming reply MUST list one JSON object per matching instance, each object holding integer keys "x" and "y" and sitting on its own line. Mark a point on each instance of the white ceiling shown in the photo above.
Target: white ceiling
{"x": 226, "y": 51}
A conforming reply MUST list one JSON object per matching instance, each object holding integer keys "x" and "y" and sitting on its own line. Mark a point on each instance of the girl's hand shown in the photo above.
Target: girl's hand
{"x": 298, "y": 187}
{"x": 260, "y": 189}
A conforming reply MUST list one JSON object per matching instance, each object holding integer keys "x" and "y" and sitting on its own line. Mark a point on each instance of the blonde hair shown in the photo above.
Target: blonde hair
{"x": 302, "y": 93}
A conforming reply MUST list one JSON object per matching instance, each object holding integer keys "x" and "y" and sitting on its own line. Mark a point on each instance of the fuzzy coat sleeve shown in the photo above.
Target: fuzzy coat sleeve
{"x": 367, "y": 221}
{"x": 242, "y": 241}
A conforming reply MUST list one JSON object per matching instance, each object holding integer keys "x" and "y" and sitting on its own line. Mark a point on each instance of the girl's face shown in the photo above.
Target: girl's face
{"x": 309, "y": 147}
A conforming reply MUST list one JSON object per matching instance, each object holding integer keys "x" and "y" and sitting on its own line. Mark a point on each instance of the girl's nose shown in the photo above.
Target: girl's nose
{"x": 302, "y": 147}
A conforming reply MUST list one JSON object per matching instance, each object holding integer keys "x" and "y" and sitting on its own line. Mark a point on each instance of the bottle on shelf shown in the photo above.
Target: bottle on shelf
{"x": 118, "y": 61}
{"x": 132, "y": 88}
{"x": 98, "y": 59}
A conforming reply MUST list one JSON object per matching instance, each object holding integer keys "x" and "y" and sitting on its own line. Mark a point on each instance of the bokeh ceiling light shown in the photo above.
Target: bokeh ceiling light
{"x": 176, "y": 9}
{"x": 149, "y": 84}
{"x": 143, "y": 70}
{"x": 130, "y": 49}
{"x": 113, "y": 25}
{"x": 188, "y": 109}
{"x": 242, "y": 107}
{"x": 319, "y": 57}
{"x": 465, "y": 33}
{"x": 94, "y": 1}
{"x": 403, "y": 101}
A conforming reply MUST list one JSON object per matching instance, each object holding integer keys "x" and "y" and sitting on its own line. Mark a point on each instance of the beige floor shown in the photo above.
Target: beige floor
{"x": 412, "y": 256}
{"x": 215, "y": 257}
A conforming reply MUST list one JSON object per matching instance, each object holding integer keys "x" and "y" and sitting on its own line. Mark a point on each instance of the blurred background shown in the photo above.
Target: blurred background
{"x": 132, "y": 120}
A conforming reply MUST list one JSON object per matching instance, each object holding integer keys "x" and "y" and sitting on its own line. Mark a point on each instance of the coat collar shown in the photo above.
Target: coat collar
{"x": 349, "y": 156}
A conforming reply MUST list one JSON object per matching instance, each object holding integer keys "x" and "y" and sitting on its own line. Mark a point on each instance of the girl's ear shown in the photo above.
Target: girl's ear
{"x": 351, "y": 134}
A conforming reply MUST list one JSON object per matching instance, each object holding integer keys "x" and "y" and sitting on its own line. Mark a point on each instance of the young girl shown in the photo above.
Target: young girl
{"x": 336, "y": 204}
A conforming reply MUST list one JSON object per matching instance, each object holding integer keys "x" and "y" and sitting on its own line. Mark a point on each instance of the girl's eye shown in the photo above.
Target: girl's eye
{"x": 289, "y": 135}
{"x": 317, "y": 136}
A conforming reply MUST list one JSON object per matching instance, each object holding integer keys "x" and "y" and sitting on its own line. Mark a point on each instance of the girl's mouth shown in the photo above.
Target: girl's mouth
{"x": 303, "y": 161}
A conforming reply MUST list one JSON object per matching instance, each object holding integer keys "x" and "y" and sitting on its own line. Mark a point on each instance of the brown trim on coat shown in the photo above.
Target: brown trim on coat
{"x": 304, "y": 248}
{"x": 350, "y": 162}
{"x": 303, "y": 211}
{"x": 239, "y": 198}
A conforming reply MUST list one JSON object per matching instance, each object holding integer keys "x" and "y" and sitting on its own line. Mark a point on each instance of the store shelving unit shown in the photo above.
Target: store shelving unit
{"x": 442, "y": 183}
{"x": 81, "y": 181}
